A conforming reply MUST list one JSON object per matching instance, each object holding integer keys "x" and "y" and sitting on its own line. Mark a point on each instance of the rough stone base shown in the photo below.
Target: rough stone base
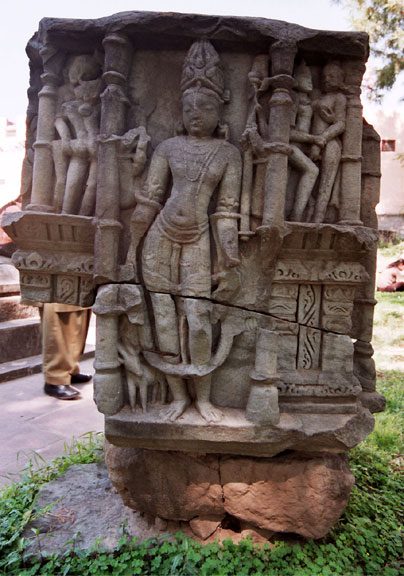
{"x": 292, "y": 493}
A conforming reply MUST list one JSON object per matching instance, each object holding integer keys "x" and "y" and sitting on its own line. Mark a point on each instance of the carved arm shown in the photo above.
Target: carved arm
{"x": 226, "y": 216}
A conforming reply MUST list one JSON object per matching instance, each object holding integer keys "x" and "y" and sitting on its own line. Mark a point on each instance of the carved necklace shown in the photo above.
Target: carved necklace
{"x": 197, "y": 158}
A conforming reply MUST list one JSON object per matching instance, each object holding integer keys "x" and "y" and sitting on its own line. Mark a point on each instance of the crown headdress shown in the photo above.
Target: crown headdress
{"x": 202, "y": 70}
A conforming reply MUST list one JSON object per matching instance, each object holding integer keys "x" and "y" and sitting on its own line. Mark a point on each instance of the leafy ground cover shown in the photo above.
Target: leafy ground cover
{"x": 365, "y": 542}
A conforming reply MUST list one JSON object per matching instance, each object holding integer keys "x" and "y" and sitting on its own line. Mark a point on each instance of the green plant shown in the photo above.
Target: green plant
{"x": 17, "y": 499}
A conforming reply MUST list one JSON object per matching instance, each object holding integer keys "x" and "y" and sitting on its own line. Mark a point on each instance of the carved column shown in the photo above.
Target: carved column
{"x": 364, "y": 366}
{"x": 263, "y": 405}
{"x": 350, "y": 203}
{"x": 108, "y": 391}
{"x": 42, "y": 176}
{"x": 118, "y": 53}
{"x": 370, "y": 175}
{"x": 282, "y": 60}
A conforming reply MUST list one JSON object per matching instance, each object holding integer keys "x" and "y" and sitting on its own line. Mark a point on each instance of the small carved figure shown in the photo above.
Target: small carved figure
{"x": 131, "y": 160}
{"x": 329, "y": 114}
{"x": 176, "y": 255}
{"x": 139, "y": 376}
{"x": 299, "y": 138}
{"x": 77, "y": 124}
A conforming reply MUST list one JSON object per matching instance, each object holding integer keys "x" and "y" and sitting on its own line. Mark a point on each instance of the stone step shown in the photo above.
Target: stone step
{"x": 12, "y": 309}
{"x": 30, "y": 365}
{"x": 9, "y": 277}
{"x": 19, "y": 338}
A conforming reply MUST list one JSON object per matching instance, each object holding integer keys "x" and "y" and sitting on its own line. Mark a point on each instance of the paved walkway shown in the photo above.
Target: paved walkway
{"x": 34, "y": 426}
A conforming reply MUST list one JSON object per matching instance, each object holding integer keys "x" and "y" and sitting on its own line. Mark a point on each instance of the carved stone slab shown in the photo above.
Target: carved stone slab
{"x": 206, "y": 183}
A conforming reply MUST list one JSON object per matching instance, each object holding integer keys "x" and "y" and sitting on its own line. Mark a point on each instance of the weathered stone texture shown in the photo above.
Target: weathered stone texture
{"x": 209, "y": 184}
{"x": 299, "y": 494}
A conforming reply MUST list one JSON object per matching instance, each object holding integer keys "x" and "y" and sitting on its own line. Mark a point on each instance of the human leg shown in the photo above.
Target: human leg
{"x": 57, "y": 360}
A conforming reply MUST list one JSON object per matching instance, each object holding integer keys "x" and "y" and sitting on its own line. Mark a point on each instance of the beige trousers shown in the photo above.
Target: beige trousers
{"x": 64, "y": 333}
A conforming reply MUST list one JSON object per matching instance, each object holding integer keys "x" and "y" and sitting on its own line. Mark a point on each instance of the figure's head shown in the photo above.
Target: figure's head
{"x": 84, "y": 67}
{"x": 200, "y": 112}
{"x": 332, "y": 77}
{"x": 303, "y": 78}
{"x": 203, "y": 92}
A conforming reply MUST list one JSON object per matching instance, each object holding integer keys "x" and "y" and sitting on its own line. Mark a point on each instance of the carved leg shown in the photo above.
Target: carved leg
{"x": 88, "y": 202}
{"x": 166, "y": 322}
{"x": 180, "y": 401}
{"x": 199, "y": 329}
{"x": 200, "y": 348}
{"x": 306, "y": 182}
{"x": 61, "y": 162}
{"x": 75, "y": 182}
{"x": 132, "y": 381}
{"x": 203, "y": 403}
{"x": 329, "y": 168}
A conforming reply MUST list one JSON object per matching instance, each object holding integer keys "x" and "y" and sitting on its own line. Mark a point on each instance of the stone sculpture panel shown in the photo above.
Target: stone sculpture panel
{"x": 202, "y": 182}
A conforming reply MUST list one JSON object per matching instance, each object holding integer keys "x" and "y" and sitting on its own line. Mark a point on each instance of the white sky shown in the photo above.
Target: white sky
{"x": 20, "y": 20}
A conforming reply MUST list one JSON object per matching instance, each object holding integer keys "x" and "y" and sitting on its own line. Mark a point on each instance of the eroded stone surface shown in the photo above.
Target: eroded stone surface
{"x": 295, "y": 493}
{"x": 187, "y": 485}
{"x": 214, "y": 199}
{"x": 83, "y": 507}
{"x": 304, "y": 496}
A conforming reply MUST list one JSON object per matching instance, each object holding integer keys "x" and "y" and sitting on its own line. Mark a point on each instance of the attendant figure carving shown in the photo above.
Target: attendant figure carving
{"x": 329, "y": 115}
{"x": 300, "y": 138}
{"x": 77, "y": 125}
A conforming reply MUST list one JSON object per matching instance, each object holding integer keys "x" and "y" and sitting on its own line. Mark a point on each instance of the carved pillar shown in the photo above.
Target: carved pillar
{"x": 31, "y": 124}
{"x": 282, "y": 55}
{"x": 263, "y": 406}
{"x": 118, "y": 53}
{"x": 370, "y": 175}
{"x": 364, "y": 366}
{"x": 42, "y": 176}
{"x": 350, "y": 203}
{"x": 108, "y": 391}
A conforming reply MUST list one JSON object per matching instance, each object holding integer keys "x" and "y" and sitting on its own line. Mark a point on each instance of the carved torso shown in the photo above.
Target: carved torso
{"x": 197, "y": 167}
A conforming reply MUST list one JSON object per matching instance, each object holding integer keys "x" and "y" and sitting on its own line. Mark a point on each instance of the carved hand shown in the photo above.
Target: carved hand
{"x": 228, "y": 284}
{"x": 320, "y": 141}
{"x": 315, "y": 152}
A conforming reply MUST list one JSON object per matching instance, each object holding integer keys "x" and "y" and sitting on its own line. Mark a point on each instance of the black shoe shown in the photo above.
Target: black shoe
{"x": 80, "y": 378}
{"x": 61, "y": 392}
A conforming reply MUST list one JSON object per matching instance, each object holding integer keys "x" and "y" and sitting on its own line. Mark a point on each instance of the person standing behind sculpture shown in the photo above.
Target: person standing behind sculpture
{"x": 176, "y": 255}
{"x": 329, "y": 115}
{"x": 391, "y": 279}
{"x": 64, "y": 332}
{"x": 77, "y": 124}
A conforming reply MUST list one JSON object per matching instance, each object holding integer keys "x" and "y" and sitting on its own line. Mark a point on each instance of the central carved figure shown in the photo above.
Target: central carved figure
{"x": 190, "y": 176}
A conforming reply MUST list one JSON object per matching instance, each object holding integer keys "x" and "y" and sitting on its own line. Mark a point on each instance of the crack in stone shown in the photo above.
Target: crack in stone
{"x": 265, "y": 314}
{"x": 220, "y": 479}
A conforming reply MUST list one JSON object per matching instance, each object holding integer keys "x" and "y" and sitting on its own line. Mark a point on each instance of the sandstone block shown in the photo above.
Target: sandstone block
{"x": 293, "y": 493}
{"x": 287, "y": 494}
{"x": 172, "y": 485}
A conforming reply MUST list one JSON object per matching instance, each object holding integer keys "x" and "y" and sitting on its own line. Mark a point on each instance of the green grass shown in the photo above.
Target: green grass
{"x": 388, "y": 331}
{"x": 392, "y": 250}
{"x": 365, "y": 542}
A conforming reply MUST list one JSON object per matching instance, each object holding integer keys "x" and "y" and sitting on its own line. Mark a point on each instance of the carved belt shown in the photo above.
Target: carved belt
{"x": 181, "y": 235}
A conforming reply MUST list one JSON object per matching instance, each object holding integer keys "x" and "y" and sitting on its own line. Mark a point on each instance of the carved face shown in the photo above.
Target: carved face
{"x": 332, "y": 77}
{"x": 200, "y": 114}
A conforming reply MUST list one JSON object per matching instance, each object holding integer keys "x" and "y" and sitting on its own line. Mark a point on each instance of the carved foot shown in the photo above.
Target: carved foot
{"x": 208, "y": 411}
{"x": 175, "y": 410}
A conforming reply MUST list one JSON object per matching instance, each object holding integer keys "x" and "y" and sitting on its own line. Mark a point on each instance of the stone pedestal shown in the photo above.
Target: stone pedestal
{"x": 294, "y": 493}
